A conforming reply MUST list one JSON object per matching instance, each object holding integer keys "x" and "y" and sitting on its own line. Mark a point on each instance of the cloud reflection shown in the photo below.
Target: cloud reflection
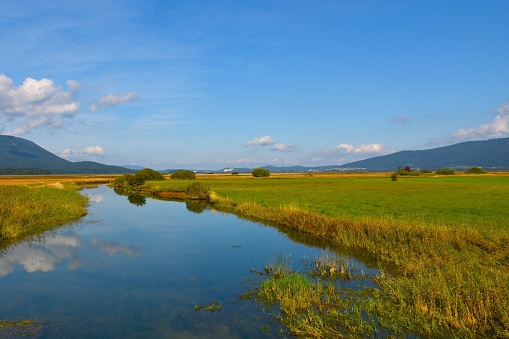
{"x": 112, "y": 248}
{"x": 95, "y": 197}
{"x": 42, "y": 256}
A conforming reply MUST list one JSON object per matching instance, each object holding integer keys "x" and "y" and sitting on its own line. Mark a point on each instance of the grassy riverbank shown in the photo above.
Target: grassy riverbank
{"x": 442, "y": 242}
{"x": 32, "y": 205}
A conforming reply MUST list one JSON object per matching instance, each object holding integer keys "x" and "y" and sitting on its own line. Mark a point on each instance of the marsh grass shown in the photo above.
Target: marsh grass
{"x": 442, "y": 280}
{"x": 28, "y": 210}
{"x": 312, "y": 308}
{"x": 332, "y": 267}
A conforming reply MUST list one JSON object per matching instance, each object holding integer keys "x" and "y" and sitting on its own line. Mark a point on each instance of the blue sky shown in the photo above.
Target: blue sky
{"x": 214, "y": 84}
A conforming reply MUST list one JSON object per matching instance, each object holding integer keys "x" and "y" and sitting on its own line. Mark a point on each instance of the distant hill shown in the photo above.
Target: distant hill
{"x": 488, "y": 154}
{"x": 21, "y": 156}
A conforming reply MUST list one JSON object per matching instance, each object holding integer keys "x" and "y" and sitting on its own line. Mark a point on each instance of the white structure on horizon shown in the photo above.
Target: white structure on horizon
{"x": 226, "y": 170}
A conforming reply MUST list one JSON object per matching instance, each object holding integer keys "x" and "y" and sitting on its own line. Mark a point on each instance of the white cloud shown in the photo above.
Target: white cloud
{"x": 280, "y": 147}
{"x": 350, "y": 153}
{"x": 35, "y": 104}
{"x": 113, "y": 100}
{"x": 266, "y": 140}
{"x": 362, "y": 149}
{"x": 86, "y": 152}
{"x": 499, "y": 127}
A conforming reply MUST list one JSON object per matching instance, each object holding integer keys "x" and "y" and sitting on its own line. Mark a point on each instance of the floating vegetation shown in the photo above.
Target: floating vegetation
{"x": 20, "y": 328}
{"x": 212, "y": 307}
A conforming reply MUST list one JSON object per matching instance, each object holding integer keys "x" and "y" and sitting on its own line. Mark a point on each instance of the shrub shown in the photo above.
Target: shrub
{"x": 150, "y": 174}
{"x": 403, "y": 172}
{"x": 445, "y": 171}
{"x": 137, "y": 179}
{"x": 183, "y": 175}
{"x": 235, "y": 173}
{"x": 260, "y": 172}
{"x": 475, "y": 170}
{"x": 426, "y": 171}
{"x": 196, "y": 191}
{"x": 394, "y": 176}
{"x": 122, "y": 180}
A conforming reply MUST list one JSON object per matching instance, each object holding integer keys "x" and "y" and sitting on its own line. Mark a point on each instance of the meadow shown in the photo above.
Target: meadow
{"x": 441, "y": 242}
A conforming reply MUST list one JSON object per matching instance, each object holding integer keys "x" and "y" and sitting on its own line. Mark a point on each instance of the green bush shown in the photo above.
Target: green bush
{"x": 137, "y": 179}
{"x": 475, "y": 170}
{"x": 196, "y": 190}
{"x": 149, "y": 174}
{"x": 425, "y": 171}
{"x": 394, "y": 176}
{"x": 122, "y": 180}
{"x": 445, "y": 171}
{"x": 183, "y": 175}
{"x": 260, "y": 172}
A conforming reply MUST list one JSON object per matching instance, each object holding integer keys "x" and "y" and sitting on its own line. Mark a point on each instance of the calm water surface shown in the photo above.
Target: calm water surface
{"x": 128, "y": 271}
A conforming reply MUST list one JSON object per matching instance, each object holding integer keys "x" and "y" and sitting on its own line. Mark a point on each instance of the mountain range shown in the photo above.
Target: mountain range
{"x": 21, "y": 156}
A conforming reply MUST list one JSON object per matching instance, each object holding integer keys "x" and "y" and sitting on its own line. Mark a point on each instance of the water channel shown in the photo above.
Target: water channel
{"x": 137, "y": 270}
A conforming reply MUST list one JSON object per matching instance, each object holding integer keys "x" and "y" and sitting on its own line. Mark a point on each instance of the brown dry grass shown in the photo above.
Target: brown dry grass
{"x": 53, "y": 180}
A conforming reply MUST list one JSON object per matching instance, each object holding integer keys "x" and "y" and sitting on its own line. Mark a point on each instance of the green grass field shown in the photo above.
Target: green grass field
{"x": 476, "y": 201}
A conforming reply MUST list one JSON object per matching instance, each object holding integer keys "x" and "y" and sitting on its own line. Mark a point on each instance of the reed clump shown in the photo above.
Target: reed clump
{"x": 28, "y": 210}
{"x": 312, "y": 306}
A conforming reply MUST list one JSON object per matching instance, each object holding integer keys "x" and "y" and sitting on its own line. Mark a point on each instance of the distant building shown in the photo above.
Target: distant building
{"x": 226, "y": 170}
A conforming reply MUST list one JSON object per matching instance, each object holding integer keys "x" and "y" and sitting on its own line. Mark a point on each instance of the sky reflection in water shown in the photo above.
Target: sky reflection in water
{"x": 138, "y": 271}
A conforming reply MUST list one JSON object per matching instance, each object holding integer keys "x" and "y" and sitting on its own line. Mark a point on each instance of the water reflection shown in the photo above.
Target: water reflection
{"x": 133, "y": 197}
{"x": 95, "y": 197}
{"x": 42, "y": 256}
{"x": 196, "y": 206}
{"x": 112, "y": 248}
{"x": 136, "y": 199}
